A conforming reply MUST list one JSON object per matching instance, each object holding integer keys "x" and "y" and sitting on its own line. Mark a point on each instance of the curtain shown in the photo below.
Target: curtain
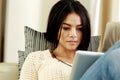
{"x": 2, "y": 26}
{"x": 0, "y": 31}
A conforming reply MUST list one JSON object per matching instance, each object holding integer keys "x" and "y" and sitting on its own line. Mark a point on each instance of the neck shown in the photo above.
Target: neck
{"x": 64, "y": 55}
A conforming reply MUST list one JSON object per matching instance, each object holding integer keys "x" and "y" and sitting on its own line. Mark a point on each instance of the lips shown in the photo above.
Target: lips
{"x": 72, "y": 42}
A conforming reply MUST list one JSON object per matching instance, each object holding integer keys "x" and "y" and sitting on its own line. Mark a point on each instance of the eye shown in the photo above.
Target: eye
{"x": 79, "y": 28}
{"x": 65, "y": 28}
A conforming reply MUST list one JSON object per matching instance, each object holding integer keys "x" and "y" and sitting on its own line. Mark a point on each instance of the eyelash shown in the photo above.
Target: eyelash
{"x": 67, "y": 28}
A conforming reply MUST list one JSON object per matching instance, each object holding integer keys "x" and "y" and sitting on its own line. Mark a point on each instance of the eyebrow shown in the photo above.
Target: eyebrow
{"x": 70, "y": 25}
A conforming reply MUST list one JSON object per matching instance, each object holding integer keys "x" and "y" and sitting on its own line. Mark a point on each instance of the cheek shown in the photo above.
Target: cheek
{"x": 63, "y": 35}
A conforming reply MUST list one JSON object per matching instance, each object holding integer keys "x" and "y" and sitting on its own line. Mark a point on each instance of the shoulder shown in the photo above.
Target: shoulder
{"x": 39, "y": 54}
{"x": 37, "y": 58}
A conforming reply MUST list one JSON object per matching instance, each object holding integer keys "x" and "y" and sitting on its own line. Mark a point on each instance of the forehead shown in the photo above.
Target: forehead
{"x": 73, "y": 18}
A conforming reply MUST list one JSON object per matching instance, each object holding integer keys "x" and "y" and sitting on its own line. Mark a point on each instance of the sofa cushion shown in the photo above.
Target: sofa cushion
{"x": 94, "y": 43}
{"x": 21, "y": 60}
{"x": 35, "y": 41}
{"x": 8, "y": 71}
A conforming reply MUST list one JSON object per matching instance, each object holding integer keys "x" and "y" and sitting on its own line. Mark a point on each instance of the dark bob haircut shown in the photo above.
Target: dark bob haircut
{"x": 59, "y": 13}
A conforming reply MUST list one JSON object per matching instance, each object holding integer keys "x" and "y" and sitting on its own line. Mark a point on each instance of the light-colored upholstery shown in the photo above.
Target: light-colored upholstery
{"x": 8, "y": 71}
{"x": 112, "y": 34}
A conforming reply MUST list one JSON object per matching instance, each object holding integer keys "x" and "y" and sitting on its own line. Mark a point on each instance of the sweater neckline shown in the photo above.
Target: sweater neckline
{"x": 53, "y": 56}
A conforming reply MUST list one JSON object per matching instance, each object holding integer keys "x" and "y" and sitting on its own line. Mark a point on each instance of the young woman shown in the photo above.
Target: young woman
{"x": 69, "y": 28}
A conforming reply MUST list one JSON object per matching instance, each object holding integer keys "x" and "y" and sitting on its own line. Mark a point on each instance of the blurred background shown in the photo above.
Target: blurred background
{"x": 15, "y": 14}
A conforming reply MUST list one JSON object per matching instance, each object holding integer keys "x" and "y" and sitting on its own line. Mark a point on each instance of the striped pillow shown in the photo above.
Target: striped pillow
{"x": 94, "y": 43}
{"x": 35, "y": 41}
{"x": 20, "y": 61}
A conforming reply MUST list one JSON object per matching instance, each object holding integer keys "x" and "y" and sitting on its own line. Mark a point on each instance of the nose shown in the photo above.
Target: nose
{"x": 73, "y": 33}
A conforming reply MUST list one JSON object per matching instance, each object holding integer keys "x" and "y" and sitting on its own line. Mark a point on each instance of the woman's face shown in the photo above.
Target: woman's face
{"x": 70, "y": 34}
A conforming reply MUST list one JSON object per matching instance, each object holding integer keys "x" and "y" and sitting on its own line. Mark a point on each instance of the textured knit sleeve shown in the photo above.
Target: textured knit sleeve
{"x": 29, "y": 69}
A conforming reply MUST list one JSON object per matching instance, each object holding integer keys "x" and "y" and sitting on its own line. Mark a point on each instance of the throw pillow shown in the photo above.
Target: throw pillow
{"x": 94, "y": 43}
{"x": 35, "y": 41}
{"x": 20, "y": 61}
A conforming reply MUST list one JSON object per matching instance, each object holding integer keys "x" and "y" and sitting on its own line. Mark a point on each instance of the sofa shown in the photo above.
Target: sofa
{"x": 8, "y": 71}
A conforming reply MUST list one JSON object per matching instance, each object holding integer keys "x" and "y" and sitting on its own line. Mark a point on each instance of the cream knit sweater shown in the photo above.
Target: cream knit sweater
{"x": 41, "y": 65}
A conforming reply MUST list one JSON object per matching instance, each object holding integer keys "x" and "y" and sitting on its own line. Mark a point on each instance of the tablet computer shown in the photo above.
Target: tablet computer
{"x": 82, "y": 61}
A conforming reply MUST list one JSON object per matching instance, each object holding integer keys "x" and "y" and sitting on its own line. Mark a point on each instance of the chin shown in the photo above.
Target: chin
{"x": 72, "y": 48}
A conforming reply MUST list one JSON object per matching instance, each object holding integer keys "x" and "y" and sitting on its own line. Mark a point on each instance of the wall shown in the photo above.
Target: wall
{"x": 14, "y": 29}
{"x": 19, "y": 13}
